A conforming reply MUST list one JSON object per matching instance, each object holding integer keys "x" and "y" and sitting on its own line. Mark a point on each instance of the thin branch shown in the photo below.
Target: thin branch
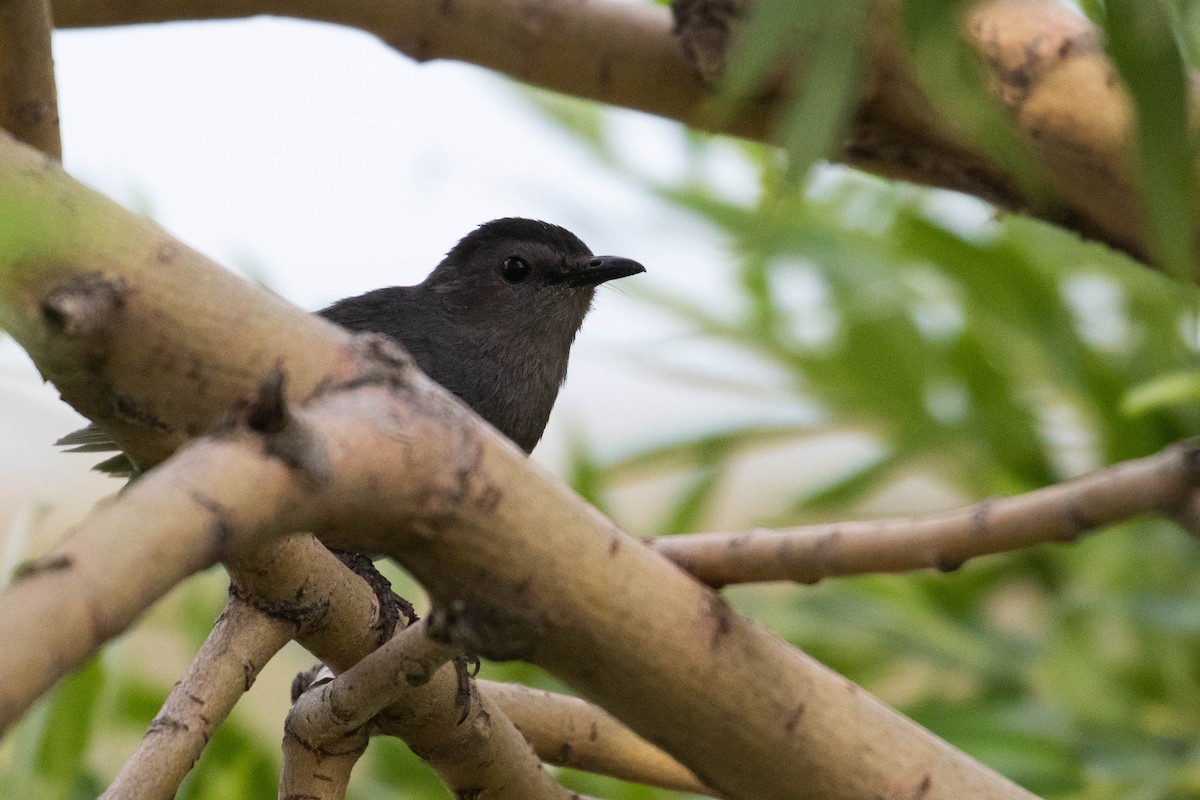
{"x": 489, "y": 756}
{"x": 28, "y": 97}
{"x": 326, "y": 714}
{"x": 1160, "y": 484}
{"x": 310, "y": 774}
{"x": 568, "y": 732}
{"x": 239, "y": 645}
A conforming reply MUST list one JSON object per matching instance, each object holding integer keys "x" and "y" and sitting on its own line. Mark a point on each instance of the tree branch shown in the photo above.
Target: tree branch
{"x": 382, "y": 460}
{"x": 239, "y": 645}
{"x": 1042, "y": 61}
{"x": 490, "y": 756}
{"x": 569, "y": 732}
{"x": 1164, "y": 483}
{"x": 28, "y": 98}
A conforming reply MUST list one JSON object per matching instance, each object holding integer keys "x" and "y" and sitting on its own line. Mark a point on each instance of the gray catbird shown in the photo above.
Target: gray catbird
{"x": 493, "y": 323}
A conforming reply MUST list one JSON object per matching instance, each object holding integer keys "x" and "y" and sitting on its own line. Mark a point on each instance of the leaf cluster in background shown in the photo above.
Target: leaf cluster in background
{"x": 995, "y": 355}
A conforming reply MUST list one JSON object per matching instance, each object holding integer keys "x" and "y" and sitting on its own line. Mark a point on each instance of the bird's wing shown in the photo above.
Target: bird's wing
{"x": 93, "y": 439}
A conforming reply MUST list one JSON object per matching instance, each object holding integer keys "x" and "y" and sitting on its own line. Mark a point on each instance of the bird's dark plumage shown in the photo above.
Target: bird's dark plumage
{"x": 493, "y": 322}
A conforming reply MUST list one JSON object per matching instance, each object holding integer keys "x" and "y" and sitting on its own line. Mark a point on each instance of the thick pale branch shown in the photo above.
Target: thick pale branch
{"x": 28, "y": 97}
{"x": 63, "y": 607}
{"x": 602, "y": 611}
{"x": 1043, "y": 62}
{"x": 1160, "y": 484}
{"x": 382, "y": 460}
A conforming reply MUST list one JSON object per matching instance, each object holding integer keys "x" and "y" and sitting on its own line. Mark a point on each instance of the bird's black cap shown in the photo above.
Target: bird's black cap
{"x": 575, "y": 265}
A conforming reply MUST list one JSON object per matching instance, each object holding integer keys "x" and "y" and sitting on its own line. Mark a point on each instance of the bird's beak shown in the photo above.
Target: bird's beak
{"x": 604, "y": 268}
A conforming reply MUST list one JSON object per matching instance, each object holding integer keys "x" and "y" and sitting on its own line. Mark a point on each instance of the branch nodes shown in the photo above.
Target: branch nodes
{"x": 1165, "y": 483}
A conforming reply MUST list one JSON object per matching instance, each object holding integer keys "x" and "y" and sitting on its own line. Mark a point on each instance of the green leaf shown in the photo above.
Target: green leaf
{"x": 52, "y": 742}
{"x": 1172, "y": 389}
{"x": 1146, "y": 54}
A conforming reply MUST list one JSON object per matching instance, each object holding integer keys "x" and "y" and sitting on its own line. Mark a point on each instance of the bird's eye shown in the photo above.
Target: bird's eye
{"x": 514, "y": 270}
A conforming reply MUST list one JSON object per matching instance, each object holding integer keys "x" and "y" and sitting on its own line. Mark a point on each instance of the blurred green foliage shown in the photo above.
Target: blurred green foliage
{"x": 994, "y": 355}
{"x": 986, "y": 352}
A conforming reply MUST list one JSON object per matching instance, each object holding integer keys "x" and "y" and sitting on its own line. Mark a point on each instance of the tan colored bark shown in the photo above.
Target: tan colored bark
{"x": 240, "y": 644}
{"x": 1165, "y": 483}
{"x": 1043, "y": 62}
{"x": 569, "y": 732}
{"x": 28, "y": 96}
{"x": 382, "y": 458}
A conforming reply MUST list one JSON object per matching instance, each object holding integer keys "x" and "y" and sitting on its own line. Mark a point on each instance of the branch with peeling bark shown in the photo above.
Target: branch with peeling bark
{"x": 1043, "y": 62}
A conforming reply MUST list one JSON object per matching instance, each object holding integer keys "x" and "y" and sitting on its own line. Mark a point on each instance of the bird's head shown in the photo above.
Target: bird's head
{"x": 526, "y": 272}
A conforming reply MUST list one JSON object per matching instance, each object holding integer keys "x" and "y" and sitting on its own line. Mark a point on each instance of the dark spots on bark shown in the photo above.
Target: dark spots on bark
{"x": 467, "y": 794}
{"x": 947, "y": 564}
{"x": 304, "y": 613}
{"x": 614, "y": 546}
{"x": 387, "y": 361}
{"x": 720, "y": 616}
{"x": 486, "y": 628}
{"x": 268, "y": 413}
{"x": 196, "y": 699}
{"x": 564, "y": 754}
{"x": 285, "y": 438}
{"x": 1078, "y": 523}
{"x": 979, "y": 517}
{"x": 221, "y": 530}
{"x": 489, "y": 497}
{"x": 594, "y": 733}
{"x": 794, "y": 717}
{"x": 164, "y": 724}
{"x": 923, "y": 788}
{"x": 40, "y": 566}
{"x": 84, "y": 306}
{"x": 35, "y": 114}
{"x": 1191, "y": 460}
{"x": 823, "y": 558}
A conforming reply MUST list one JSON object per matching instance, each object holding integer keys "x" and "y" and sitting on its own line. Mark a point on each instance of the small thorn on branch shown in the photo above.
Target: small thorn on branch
{"x": 286, "y": 438}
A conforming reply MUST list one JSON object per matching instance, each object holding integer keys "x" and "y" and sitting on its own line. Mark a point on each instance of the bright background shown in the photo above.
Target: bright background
{"x": 855, "y": 348}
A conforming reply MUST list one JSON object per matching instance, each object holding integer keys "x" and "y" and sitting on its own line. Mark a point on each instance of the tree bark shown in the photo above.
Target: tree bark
{"x": 382, "y": 459}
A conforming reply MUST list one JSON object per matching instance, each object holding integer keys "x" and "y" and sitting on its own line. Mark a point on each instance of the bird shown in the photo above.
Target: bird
{"x": 493, "y": 323}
